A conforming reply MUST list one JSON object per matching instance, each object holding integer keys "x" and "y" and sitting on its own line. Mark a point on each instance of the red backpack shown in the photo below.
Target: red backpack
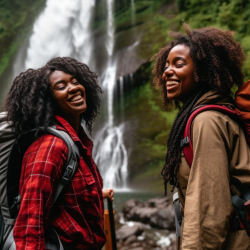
{"x": 242, "y": 115}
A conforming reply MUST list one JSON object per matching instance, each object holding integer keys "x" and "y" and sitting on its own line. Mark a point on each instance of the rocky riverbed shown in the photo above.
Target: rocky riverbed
{"x": 146, "y": 225}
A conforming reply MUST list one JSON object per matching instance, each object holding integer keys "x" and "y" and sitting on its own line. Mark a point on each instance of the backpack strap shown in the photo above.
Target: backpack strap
{"x": 178, "y": 216}
{"x": 186, "y": 142}
{"x": 71, "y": 163}
{"x": 53, "y": 241}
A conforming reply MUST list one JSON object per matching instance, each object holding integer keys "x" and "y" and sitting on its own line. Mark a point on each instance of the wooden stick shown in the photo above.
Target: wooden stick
{"x": 112, "y": 224}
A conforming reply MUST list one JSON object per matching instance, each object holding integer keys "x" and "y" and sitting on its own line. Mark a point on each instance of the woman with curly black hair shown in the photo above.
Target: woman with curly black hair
{"x": 64, "y": 93}
{"x": 200, "y": 68}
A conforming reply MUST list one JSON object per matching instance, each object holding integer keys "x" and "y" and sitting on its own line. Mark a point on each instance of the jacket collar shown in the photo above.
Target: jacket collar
{"x": 213, "y": 97}
{"x": 81, "y": 137}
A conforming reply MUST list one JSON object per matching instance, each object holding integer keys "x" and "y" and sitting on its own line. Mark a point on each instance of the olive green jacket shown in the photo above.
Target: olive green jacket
{"x": 220, "y": 151}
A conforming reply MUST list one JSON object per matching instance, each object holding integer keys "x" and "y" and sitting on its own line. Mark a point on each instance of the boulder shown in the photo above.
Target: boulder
{"x": 158, "y": 202}
{"x": 131, "y": 239}
{"x": 126, "y": 231}
{"x": 163, "y": 218}
{"x": 144, "y": 214}
{"x": 157, "y": 212}
{"x": 128, "y": 205}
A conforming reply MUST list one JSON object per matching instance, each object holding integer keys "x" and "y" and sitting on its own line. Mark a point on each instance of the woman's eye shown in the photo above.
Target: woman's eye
{"x": 60, "y": 87}
{"x": 179, "y": 65}
{"x": 75, "y": 82}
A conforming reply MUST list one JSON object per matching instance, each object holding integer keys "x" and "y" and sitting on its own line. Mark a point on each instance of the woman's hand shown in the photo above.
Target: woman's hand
{"x": 108, "y": 193}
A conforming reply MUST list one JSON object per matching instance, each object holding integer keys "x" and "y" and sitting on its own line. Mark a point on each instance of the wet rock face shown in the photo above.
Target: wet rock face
{"x": 157, "y": 212}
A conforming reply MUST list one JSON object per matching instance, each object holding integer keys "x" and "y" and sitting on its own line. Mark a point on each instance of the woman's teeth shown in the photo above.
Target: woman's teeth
{"x": 76, "y": 98}
{"x": 171, "y": 83}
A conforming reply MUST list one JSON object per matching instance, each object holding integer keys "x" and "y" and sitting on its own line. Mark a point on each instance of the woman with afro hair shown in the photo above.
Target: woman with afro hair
{"x": 64, "y": 93}
{"x": 196, "y": 69}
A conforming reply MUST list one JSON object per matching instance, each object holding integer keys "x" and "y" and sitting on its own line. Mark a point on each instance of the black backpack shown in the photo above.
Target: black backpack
{"x": 12, "y": 150}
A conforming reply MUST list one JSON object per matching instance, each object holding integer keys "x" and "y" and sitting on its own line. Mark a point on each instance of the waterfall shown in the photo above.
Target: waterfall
{"x": 110, "y": 153}
{"x": 121, "y": 82}
{"x": 61, "y": 30}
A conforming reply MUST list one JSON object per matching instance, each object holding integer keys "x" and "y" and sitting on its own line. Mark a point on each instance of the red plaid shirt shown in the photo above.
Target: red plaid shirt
{"x": 78, "y": 217}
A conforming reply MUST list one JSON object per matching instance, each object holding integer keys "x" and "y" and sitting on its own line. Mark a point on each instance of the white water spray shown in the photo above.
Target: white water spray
{"x": 61, "y": 30}
{"x": 110, "y": 152}
{"x": 121, "y": 82}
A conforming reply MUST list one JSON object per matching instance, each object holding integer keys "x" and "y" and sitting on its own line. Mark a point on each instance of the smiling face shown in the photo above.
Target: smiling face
{"x": 69, "y": 94}
{"x": 178, "y": 74}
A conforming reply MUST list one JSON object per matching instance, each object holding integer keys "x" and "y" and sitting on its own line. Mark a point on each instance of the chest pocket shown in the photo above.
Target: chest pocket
{"x": 82, "y": 188}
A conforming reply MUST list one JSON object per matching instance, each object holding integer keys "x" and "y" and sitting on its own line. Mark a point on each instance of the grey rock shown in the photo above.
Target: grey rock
{"x": 125, "y": 232}
{"x": 163, "y": 218}
{"x": 136, "y": 244}
{"x": 125, "y": 248}
{"x": 130, "y": 240}
{"x": 141, "y": 214}
{"x": 158, "y": 202}
{"x": 128, "y": 205}
{"x": 157, "y": 212}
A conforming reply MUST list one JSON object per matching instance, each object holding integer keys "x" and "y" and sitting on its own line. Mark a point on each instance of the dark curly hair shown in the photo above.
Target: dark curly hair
{"x": 31, "y": 103}
{"x": 217, "y": 60}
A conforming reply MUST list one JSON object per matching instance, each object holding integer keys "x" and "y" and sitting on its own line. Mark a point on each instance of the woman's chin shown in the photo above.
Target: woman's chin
{"x": 172, "y": 97}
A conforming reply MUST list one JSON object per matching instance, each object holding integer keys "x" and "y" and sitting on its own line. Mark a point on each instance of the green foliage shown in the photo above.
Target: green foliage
{"x": 143, "y": 10}
{"x": 16, "y": 18}
{"x": 226, "y": 14}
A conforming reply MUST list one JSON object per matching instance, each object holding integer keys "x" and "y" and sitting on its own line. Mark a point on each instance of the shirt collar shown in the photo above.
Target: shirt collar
{"x": 82, "y": 137}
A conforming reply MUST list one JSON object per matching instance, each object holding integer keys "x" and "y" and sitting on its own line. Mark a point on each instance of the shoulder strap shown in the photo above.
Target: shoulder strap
{"x": 178, "y": 216}
{"x": 186, "y": 142}
{"x": 71, "y": 163}
{"x": 70, "y": 169}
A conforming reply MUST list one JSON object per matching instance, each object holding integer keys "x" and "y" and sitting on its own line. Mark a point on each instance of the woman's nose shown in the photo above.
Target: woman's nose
{"x": 168, "y": 72}
{"x": 73, "y": 87}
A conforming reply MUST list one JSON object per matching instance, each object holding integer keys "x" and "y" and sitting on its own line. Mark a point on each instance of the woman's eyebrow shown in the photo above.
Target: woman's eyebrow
{"x": 179, "y": 58}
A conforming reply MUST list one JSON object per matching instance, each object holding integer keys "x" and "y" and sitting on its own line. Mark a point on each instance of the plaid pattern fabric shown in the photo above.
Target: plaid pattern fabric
{"x": 78, "y": 217}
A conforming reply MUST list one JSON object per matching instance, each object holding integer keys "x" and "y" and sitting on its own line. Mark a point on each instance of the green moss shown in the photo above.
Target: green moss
{"x": 16, "y": 18}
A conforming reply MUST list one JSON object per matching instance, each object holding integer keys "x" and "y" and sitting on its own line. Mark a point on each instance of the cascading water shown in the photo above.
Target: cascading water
{"x": 110, "y": 152}
{"x": 61, "y": 30}
{"x": 121, "y": 82}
